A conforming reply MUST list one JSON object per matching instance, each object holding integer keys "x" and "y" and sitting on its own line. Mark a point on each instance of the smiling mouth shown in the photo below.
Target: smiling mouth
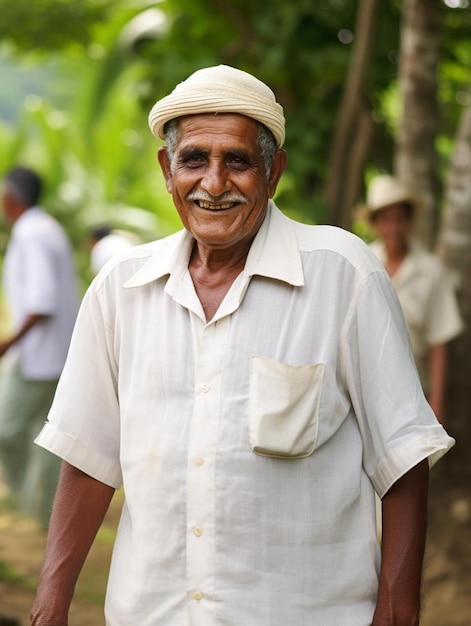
{"x": 220, "y": 206}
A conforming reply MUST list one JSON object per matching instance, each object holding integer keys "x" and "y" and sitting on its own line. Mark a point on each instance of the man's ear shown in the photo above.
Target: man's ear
{"x": 164, "y": 161}
{"x": 279, "y": 165}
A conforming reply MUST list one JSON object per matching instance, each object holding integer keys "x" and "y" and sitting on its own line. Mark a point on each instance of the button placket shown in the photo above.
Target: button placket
{"x": 202, "y": 444}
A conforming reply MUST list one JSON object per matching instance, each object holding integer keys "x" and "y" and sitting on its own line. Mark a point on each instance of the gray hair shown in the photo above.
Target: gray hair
{"x": 265, "y": 141}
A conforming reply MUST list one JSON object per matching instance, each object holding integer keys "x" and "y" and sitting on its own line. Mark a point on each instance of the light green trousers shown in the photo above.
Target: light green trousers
{"x": 29, "y": 471}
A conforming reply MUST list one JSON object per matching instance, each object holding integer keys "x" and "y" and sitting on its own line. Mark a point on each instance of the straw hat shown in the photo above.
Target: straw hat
{"x": 385, "y": 191}
{"x": 220, "y": 89}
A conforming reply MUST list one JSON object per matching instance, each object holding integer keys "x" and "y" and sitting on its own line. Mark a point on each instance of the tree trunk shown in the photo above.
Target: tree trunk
{"x": 455, "y": 249}
{"x": 416, "y": 162}
{"x": 349, "y": 147}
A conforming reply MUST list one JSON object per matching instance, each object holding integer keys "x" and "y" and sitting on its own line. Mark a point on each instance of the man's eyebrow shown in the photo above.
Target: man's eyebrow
{"x": 243, "y": 155}
{"x": 190, "y": 151}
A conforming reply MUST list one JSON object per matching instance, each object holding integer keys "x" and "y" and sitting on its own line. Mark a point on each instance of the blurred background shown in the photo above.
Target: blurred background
{"x": 367, "y": 87}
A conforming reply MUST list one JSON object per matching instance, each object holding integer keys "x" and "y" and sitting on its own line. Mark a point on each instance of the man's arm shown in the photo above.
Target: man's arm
{"x": 29, "y": 322}
{"x": 403, "y": 544}
{"x": 437, "y": 366}
{"x": 79, "y": 508}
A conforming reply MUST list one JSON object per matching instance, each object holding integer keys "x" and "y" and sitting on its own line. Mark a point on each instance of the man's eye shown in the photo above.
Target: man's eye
{"x": 192, "y": 160}
{"x": 195, "y": 160}
{"x": 237, "y": 163}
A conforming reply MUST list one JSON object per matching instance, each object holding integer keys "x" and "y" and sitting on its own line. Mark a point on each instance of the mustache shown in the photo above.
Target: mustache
{"x": 203, "y": 196}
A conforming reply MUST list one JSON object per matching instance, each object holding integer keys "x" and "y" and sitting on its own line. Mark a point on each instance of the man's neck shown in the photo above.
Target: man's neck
{"x": 212, "y": 276}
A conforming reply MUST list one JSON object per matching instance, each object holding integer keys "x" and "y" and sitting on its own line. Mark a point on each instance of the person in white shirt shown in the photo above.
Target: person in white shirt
{"x": 424, "y": 286}
{"x": 41, "y": 293}
{"x": 250, "y": 384}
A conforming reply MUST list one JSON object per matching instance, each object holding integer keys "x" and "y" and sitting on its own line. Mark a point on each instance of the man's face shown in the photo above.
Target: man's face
{"x": 393, "y": 225}
{"x": 218, "y": 179}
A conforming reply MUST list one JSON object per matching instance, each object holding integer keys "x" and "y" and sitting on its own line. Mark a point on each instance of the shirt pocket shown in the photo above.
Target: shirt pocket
{"x": 284, "y": 407}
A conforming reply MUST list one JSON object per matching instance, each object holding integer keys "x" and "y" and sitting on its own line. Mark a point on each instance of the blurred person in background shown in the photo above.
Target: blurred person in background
{"x": 425, "y": 288}
{"x": 40, "y": 287}
{"x": 105, "y": 243}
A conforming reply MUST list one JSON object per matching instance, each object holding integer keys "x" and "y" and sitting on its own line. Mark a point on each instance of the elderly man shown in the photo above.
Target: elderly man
{"x": 249, "y": 382}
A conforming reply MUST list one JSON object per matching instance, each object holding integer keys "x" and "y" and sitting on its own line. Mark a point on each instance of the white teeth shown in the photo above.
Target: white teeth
{"x": 215, "y": 207}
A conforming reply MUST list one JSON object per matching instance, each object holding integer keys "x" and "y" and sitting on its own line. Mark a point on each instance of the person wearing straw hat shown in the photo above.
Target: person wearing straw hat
{"x": 423, "y": 284}
{"x": 235, "y": 379}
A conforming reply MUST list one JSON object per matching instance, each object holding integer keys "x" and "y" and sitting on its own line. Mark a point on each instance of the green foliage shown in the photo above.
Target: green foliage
{"x": 45, "y": 25}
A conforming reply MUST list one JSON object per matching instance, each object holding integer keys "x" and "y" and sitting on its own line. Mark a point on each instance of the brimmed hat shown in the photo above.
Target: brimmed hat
{"x": 220, "y": 89}
{"x": 385, "y": 191}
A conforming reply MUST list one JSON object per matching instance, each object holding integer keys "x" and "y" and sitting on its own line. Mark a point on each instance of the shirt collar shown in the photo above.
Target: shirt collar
{"x": 274, "y": 253}
{"x": 275, "y": 250}
{"x": 171, "y": 257}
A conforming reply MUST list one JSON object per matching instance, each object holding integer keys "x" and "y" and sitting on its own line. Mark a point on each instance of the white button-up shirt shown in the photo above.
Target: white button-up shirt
{"x": 39, "y": 278}
{"x": 249, "y": 446}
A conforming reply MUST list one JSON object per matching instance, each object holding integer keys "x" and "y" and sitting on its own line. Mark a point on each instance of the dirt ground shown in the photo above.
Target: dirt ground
{"x": 447, "y": 581}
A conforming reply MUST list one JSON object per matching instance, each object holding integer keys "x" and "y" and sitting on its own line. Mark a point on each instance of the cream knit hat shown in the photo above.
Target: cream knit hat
{"x": 220, "y": 89}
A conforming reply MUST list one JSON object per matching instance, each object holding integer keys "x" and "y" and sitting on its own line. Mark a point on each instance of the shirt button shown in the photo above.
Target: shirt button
{"x": 197, "y": 595}
{"x": 197, "y": 531}
{"x": 199, "y": 461}
{"x": 204, "y": 387}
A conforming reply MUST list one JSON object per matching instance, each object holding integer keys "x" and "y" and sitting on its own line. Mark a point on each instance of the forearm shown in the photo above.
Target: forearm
{"x": 79, "y": 508}
{"x": 29, "y": 322}
{"x": 403, "y": 544}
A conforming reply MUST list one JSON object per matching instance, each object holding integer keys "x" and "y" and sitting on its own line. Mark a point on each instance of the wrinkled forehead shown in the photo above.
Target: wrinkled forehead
{"x": 214, "y": 132}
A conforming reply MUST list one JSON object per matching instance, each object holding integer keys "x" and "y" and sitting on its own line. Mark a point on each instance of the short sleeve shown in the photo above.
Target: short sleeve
{"x": 397, "y": 425}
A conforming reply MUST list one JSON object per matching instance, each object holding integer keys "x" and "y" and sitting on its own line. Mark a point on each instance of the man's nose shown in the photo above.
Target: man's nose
{"x": 215, "y": 181}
